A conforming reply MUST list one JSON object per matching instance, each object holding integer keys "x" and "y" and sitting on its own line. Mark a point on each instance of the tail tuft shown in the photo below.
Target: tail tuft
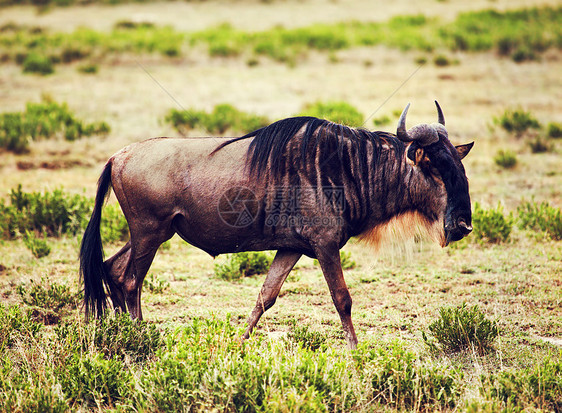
{"x": 92, "y": 270}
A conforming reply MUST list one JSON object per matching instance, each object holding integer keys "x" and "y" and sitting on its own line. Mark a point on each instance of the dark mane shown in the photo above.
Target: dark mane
{"x": 270, "y": 144}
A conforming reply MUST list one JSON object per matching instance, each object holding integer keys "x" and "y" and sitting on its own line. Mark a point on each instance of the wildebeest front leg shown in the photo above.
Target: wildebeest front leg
{"x": 329, "y": 259}
{"x": 281, "y": 266}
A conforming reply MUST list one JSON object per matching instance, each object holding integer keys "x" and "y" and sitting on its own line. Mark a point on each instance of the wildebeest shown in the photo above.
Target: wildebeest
{"x": 298, "y": 186}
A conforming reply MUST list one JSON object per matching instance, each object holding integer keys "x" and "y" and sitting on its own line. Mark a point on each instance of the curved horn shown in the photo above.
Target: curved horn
{"x": 401, "y": 132}
{"x": 440, "y": 115}
{"x": 424, "y": 134}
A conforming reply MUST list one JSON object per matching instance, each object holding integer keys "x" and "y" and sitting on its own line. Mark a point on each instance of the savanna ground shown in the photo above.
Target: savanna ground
{"x": 397, "y": 291}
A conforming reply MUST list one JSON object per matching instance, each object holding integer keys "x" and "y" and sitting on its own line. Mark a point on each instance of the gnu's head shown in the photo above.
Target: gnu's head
{"x": 431, "y": 149}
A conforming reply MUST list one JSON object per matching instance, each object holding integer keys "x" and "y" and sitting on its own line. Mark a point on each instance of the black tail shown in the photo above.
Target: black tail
{"x": 92, "y": 271}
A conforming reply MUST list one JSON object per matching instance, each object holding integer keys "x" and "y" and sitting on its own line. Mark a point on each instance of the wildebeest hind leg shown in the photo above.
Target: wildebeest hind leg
{"x": 143, "y": 250}
{"x": 281, "y": 266}
{"x": 116, "y": 267}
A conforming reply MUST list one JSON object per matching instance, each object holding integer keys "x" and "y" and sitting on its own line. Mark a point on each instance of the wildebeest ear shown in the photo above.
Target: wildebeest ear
{"x": 463, "y": 150}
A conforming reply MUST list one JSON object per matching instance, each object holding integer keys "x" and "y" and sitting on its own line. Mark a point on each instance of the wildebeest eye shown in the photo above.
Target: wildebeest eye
{"x": 415, "y": 154}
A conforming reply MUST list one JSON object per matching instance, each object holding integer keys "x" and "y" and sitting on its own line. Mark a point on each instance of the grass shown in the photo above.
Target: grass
{"x": 202, "y": 365}
{"x": 522, "y": 123}
{"x": 66, "y": 3}
{"x": 115, "y": 364}
{"x": 191, "y": 358}
{"x": 225, "y": 117}
{"x": 46, "y": 294}
{"x": 399, "y": 378}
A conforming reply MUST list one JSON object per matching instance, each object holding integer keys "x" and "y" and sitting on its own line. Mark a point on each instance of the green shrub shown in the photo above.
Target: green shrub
{"x": 462, "y": 328}
{"x": 129, "y": 24}
{"x": 540, "y": 217}
{"x": 93, "y": 380}
{"x": 73, "y": 53}
{"x": 13, "y": 134}
{"x": 45, "y": 120}
{"x": 155, "y": 286}
{"x": 523, "y": 54}
{"x": 38, "y": 246}
{"x": 14, "y": 324}
{"x": 554, "y": 130}
{"x": 517, "y": 121}
{"x": 207, "y": 367}
{"x": 347, "y": 263}
{"x": 505, "y": 159}
{"x": 184, "y": 120}
{"x": 441, "y": 61}
{"x": 114, "y": 226}
{"x": 114, "y": 337}
{"x": 512, "y": 33}
{"x": 225, "y": 48}
{"x": 319, "y": 37}
{"x": 491, "y": 225}
{"x": 89, "y": 68}
{"x": 382, "y": 120}
{"x": 400, "y": 380}
{"x": 47, "y": 295}
{"x": 540, "y": 145}
{"x": 243, "y": 264}
{"x": 222, "y": 41}
{"x": 37, "y": 63}
{"x": 311, "y": 340}
{"x": 339, "y": 112}
{"x": 224, "y": 117}
{"x": 538, "y": 388}
{"x": 54, "y": 213}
